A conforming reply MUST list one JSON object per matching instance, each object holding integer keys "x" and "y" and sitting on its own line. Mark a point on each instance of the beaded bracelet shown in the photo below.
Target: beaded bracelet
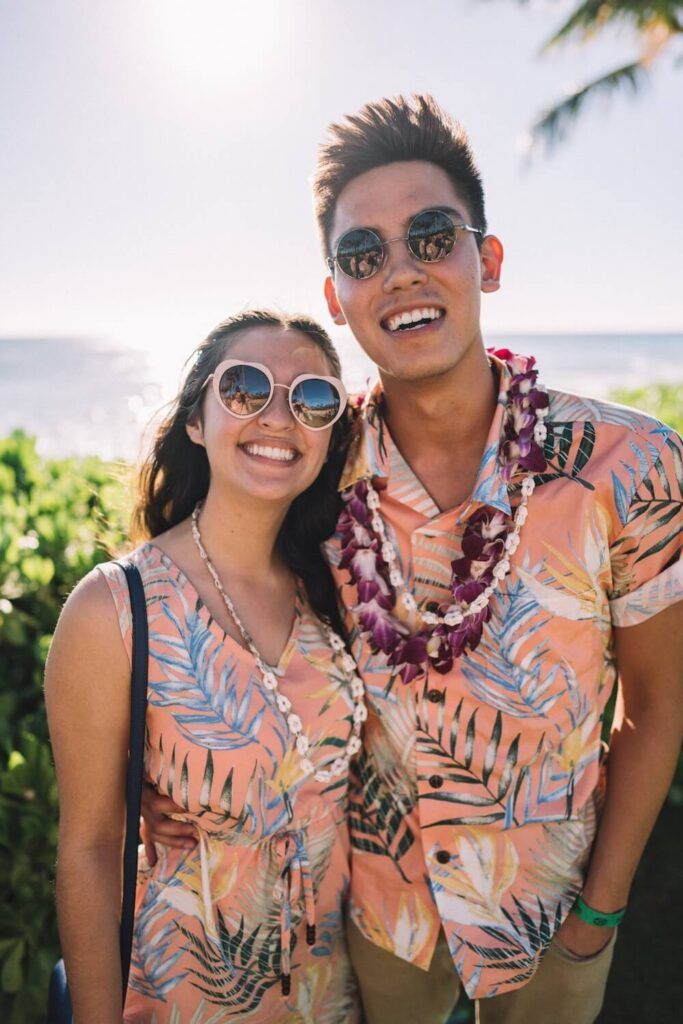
{"x": 596, "y": 917}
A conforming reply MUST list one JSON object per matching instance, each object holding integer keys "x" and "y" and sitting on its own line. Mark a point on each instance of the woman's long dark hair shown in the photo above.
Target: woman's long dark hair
{"x": 175, "y": 475}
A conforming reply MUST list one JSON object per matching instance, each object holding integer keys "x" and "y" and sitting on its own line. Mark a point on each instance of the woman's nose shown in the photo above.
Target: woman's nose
{"x": 277, "y": 413}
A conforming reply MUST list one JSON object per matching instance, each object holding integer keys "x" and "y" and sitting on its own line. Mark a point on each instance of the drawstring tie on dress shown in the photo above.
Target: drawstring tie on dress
{"x": 294, "y": 881}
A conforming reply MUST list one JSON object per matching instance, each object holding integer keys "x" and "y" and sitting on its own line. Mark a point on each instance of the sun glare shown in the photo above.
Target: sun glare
{"x": 213, "y": 41}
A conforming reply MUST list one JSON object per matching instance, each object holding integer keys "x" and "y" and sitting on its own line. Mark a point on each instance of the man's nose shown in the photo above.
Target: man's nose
{"x": 401, "y": 269}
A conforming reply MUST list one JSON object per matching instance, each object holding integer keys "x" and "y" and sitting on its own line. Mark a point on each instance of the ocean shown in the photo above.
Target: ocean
{"x": 82, "y": 397}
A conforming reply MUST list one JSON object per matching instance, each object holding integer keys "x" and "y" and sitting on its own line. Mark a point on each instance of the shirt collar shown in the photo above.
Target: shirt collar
{"x": 370, "y": 446}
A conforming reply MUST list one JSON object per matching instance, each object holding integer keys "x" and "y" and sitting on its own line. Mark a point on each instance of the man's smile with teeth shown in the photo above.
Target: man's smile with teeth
{"x": 270, "y": 452}
{"x": 412, "y": 318}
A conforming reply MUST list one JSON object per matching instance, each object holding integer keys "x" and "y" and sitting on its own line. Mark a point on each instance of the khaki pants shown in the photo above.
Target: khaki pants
{"x": 565, "y": 990}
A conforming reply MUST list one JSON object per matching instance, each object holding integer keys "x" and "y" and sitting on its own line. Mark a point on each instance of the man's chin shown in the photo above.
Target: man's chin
{"x": 421, "y": 371}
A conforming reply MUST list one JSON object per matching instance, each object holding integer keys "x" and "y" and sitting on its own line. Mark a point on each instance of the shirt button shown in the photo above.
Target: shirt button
{"x": 435, "y": 781}
{"x": 443, "y": 856}
{"x": 435, "y": 696}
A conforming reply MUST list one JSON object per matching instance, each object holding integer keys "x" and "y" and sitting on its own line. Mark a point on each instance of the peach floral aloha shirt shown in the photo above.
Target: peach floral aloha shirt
{"x": 476, "y": 801}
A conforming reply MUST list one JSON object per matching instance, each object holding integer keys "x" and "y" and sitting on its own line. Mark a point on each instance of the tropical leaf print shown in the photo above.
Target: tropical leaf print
{"x": 198, "y": 1017}
{"x": 556, "y": 861}
{"x": 328, "y": 930}
{"x": 567, "y": 407}
{"x": 334, "y": 681}
{"x": 315, "y": 984}
{"x": 214, "y": 709}
{"x": 497, "y": 673}
{"x": 378, "y": 817}
{"x": 404, "y": 922}
{"x": 490, "y": 488}
{"x": 320, "y": 849}
{"x": 450, "y": 753}
{"x": 622, "y": 497}
{"x": 650, "y": 512}
{"x": 568, "y": 449}
{"x": 155, "y": 950}
{"x": 265, "y": 810}
{"x": 238, "y": 970}
{"x": 495, "y": 787}
{"x": 519, "y": 945}
{"x": 544, "y": 791}
{"x": 473, "y": 885}
{"x": 375, "y": 417}
{"x": 574, "y": 583}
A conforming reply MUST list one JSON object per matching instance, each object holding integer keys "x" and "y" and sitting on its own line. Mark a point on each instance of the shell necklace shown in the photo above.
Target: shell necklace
{"x": 340, "y": 657}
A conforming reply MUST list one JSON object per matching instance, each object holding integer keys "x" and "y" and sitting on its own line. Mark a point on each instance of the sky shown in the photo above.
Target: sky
{"x": 155, "y": 161}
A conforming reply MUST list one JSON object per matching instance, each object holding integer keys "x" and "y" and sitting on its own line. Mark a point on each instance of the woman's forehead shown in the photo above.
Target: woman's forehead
{"x": 278, "y": 348}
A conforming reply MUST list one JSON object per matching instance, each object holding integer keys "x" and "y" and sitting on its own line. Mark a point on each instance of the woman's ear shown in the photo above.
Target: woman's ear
{"x": 195, "y": 432}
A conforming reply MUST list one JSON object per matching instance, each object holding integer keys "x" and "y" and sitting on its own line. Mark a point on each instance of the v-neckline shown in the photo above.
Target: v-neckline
{"x": 215, "y": 627}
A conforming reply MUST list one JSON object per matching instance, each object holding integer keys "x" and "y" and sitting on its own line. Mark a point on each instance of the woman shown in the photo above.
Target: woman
{"x": 254, "y": 708}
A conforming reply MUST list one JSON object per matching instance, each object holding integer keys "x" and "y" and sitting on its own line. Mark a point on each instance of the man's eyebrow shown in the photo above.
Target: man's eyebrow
{"x": 451, "y": 210}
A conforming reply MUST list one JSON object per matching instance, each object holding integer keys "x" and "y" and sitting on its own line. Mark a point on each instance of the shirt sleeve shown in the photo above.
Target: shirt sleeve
{"x": 647, "y": 570}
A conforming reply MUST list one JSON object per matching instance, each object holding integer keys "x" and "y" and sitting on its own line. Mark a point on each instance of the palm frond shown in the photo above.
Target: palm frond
{"x": 553, "y": 125}
{"x": 655, "y": 23}
{"x": 591, "y": 16}
{"x": 586, "y": 21}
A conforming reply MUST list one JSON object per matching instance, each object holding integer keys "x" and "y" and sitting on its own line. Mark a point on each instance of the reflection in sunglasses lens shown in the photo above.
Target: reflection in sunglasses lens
{"x": 244, "y": 390}
{"x": 315, "y": 402}
{"x": 359, "y": 253}
{"x": 431, "y": 236}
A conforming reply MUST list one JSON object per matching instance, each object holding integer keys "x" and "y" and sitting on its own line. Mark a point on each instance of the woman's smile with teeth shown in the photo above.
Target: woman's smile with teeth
{"x": 270, "y": 452}
{"x": 412, "y": 318}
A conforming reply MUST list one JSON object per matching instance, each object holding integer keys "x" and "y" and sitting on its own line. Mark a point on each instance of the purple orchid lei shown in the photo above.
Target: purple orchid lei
{"x": 487, "y": 540}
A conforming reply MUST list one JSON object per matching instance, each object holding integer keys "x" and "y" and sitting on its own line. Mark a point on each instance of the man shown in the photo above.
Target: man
{"x": 481, "y": 776}
{"x": 502, "y": 555}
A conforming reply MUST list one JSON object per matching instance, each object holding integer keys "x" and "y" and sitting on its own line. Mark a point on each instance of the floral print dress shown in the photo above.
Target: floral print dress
{"x": 262, "y": 894}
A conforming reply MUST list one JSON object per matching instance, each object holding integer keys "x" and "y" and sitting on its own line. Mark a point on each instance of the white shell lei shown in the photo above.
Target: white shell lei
{"x": 339, "y": 655}
{"x": 456, "y": 613}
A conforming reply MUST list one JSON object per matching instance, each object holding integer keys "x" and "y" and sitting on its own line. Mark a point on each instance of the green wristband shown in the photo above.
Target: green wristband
{"x": 596, "y": 917}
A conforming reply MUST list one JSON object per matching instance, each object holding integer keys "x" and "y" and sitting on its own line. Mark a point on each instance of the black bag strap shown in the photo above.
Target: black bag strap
{"x": 136, "y": 747}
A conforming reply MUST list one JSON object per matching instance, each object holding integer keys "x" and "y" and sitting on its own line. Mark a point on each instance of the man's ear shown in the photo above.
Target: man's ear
{"x": 333, "y": 302}
{"x": 491, "y": 255}
{"x": 195, "y": 432}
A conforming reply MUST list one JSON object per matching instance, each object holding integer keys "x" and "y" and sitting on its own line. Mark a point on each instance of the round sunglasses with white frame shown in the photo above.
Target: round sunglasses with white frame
{"x": 249, "y": 388}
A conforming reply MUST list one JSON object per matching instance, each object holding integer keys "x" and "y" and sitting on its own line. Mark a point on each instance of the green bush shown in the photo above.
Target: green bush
{"x": 59, "y": 519}
{"x": 665, "y": 401}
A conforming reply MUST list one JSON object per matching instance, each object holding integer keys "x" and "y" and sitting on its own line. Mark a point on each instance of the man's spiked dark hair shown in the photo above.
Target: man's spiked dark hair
{"x": 390, "y": 130}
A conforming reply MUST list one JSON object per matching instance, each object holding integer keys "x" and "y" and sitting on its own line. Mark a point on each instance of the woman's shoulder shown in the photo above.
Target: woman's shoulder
{"x": 90, "y": 598}
{"x": 88, "y": 630}
{"x": 99, "y": 605}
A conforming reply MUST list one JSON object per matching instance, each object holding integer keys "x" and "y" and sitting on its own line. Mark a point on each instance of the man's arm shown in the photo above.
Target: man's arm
{"x": 644, "y": 748}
